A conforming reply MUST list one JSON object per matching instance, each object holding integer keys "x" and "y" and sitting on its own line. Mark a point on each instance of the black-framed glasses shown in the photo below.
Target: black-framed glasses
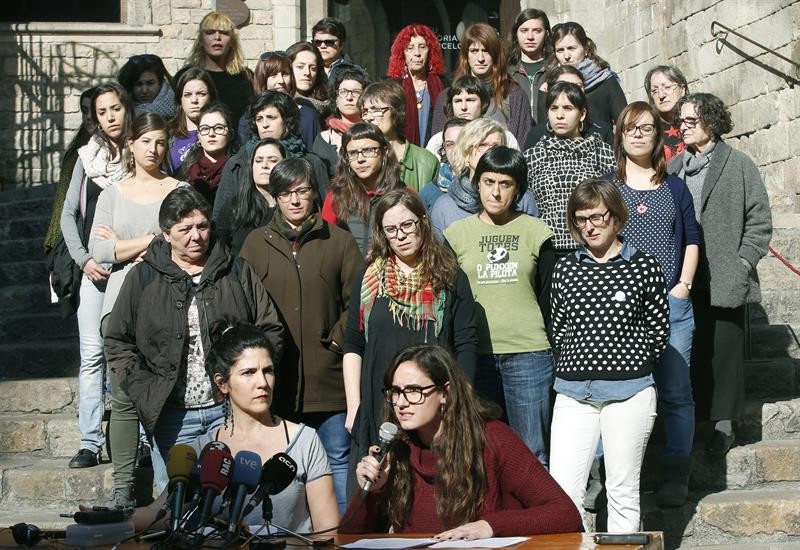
{"x": 689, "y": 121}
{"x": 366, "y": 152}
{"x": 266, "y": 56}
{"x": 413, "y": 394}
{"x": 328, "y": 42}
{"x": 344, "y": 92}
{"x": 407, "y": 228}
{"x": 219, "y": 129}
{"x": 595, "y": 219}
{"x": 644, "y": 129}
{"x": 301, "y": 192}
{"x": 375, "y": 112}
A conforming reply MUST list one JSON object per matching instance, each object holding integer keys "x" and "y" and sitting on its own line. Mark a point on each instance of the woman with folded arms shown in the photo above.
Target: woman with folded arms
{"x": 610, "y": 324}
{"x": 453, "y": 469}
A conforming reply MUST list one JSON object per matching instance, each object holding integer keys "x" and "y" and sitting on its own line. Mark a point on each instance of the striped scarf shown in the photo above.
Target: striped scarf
{"x": 412, "y": 301}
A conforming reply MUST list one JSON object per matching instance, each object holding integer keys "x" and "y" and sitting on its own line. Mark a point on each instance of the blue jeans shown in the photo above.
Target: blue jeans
{"x": 521, "y": 382}
{"x": 336, "y": 440}
{"x": 673, "y": 380}
{"x": 177, "y": 425}
{"x": 93, "y": 365}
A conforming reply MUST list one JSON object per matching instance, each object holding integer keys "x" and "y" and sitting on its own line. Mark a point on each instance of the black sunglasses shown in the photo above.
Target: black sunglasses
{"x": 329, "y": 42}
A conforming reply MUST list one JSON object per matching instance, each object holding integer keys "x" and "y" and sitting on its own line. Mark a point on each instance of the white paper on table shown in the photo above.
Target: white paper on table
{"x": 494, "y": 542}
{"x": 389, "y": 543}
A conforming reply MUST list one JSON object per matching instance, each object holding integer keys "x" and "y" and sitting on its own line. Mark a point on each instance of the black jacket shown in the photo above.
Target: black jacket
{"x": 146, "y": 337}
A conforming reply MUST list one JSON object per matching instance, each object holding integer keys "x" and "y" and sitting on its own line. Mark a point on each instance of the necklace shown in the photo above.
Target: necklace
{"x": 642, "y": 208}
{"x": 420, "y": 94}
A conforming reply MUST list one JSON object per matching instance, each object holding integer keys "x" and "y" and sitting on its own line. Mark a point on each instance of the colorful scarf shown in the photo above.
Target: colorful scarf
{"x": 340, "y": 125}
{"x": 412, "y": 301}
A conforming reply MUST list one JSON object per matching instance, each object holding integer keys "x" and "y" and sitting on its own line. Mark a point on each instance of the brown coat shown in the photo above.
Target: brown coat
{"x": 311, "y": 291}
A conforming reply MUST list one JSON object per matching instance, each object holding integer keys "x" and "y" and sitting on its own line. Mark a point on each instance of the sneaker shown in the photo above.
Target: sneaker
{"x": 85, "y": 459}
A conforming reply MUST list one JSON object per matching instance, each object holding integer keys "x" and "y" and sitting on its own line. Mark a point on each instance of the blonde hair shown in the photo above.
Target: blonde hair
{"x": 471, "y": 136}
{"x": 235, "y": 62}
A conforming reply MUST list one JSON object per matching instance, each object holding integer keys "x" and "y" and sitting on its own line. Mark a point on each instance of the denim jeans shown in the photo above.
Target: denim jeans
{"x": 336, "y": 440}
{"x": 177, "y": 425}
{"x": 521, "y": 383}
{"x": 93, "y": 365}
{"x": 625, "y": 427}
{"x": 673, "y": 380}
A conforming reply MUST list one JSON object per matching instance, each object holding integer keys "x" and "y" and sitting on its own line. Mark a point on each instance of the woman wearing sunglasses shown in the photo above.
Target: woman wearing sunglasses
{"x": 453, "y": 469}
{"x": 412, "y": 292}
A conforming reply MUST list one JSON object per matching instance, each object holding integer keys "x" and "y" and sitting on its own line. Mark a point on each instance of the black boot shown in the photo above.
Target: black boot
{"x": 675, "y": 488}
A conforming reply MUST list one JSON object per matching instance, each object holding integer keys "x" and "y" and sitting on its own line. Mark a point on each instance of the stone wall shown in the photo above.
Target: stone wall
{"x": 45, "y": 66}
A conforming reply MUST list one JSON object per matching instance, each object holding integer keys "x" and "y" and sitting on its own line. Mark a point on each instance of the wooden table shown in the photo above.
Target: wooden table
{"x": 563, "y": 541}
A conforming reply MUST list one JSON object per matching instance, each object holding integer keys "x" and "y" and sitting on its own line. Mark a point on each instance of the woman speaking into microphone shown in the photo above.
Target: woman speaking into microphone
{"x": 452, "y": 469}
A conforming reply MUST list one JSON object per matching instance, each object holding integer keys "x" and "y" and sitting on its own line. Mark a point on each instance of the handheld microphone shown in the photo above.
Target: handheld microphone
{"x": 276, "y": 475}
{"x": 386, "y": 435}
{"x": 215, "y": 472}
{"x": 246, "y": 474}
{"x": 180, "y": 463}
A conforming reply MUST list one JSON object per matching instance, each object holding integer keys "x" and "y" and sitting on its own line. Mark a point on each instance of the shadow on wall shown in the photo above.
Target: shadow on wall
{"x": 40, "y": 81}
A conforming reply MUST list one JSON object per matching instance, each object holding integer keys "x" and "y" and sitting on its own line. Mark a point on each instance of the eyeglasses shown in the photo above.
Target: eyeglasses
{"x": 407, "y": 228}
{"x": 644, "y": 129}
{"x": 482, "y": 147}
{"x": 413, "y": 394}
{"x": 302, "y": 193}
{"x": 689, "y": 121}
{"x": 375, "y": 112}
{"x": 328, "y": 42}
{"x": 595, "y": 219}
{"x": 344, "y": 92}
{"x": 366, "y": 152}
{"x": 219, "y": 130}
{"x": 666, "y": 88}
{"x": 266, "y": 56}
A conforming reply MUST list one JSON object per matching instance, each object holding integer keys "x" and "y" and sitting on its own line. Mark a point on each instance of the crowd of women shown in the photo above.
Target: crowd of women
{"x": 283, "y": 258}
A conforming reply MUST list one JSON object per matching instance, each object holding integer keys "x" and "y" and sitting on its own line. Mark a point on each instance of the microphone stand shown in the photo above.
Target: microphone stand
{"x": 266, "y": 514}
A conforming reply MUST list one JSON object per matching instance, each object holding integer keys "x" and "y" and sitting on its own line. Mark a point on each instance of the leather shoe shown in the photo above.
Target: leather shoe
{"x": 85, "y": 459}
{"x": 719, "y": 443}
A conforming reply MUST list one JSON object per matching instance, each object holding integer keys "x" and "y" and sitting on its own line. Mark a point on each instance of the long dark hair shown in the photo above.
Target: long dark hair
{"x": 228, "y": 340}
{"x": 178, "y": 123}
{"x": 461, "y": 475}
{"x": 348, "y": 192}
{"x": 626, "y": 118}
{"x": 319, "y": 88}
{"x": 196, "y": 151}
{"x": 486, "y": 35}
{"x": 438, "y": 263}
{"x": 139, "y": 64}
{"x": 576, "y": 31}
{"x": 119, "y": 146}
{"x": 575, "y": 95}
{"x": 514, "y": 51}
{"x": 142, "y": 124}
{"x": 251, "y": 208}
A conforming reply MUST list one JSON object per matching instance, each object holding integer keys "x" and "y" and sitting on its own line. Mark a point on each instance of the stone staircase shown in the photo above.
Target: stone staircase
{"x": 750, "y": 499}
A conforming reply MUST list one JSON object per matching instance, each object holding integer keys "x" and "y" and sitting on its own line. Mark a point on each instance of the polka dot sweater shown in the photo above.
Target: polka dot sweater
{"x": 610, "y": 320}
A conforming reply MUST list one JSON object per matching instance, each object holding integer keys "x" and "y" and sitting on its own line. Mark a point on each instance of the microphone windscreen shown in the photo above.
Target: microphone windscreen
{"x": 180, "y": 462}
{"x": 387, "y": 432}
{"x": 246, "y": 470}
{"x": 278, "y": 472}
{"x": 215, "y": 470}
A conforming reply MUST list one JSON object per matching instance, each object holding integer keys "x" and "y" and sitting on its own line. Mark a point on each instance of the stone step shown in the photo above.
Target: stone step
{"x": 39, "y": 435}
{"x": 775, "y": 341}
{"x": 29, "y": 296}
{"x": 21, "y": 250}
{"x": 33, "y": 271}
{"x": 765, "y": 377}
{"x": 24, "y": 227}
{"x": 32, "y": 206}
{"x": 45, "y": 359}
{"x": 32, "y": 326}
{"x": 48, "y": 484}
{"x": 767, "y": 515}
{"x": 748, "y": 466}
{"x": 48, "y": 396}
{"x": 769, "y": 418}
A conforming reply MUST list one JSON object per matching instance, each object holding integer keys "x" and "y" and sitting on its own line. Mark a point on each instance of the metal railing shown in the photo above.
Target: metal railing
{"x": 722, "y": 35}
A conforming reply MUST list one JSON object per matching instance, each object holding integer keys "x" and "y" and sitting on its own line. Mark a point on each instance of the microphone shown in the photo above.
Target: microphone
{"x": 276, "y": 475}
{"x": 386, "y": 435}
{"x": 246, "y": 474}
{"x": 215, "y": 473}
{"x": 180, "y": 463}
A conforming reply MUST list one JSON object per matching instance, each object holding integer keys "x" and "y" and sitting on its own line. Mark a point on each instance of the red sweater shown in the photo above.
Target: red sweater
{"x": 521, "y": 498}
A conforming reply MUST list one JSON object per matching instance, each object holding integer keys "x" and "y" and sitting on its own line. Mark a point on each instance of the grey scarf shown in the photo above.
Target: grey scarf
{"x": 695, "y": 168}
{"x": 593, "y": 74}
{"x": 464, "y": 194}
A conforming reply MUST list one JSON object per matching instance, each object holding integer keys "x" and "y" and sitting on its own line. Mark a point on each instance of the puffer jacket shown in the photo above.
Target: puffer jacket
{"x": 147, "y": 333}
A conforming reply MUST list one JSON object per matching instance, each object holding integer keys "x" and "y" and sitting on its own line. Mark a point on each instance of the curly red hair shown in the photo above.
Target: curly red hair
{"x": 397, "y": 60}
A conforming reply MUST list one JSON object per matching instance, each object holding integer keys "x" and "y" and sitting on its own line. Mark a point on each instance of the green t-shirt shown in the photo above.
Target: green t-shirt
{"x": 500, "y": 262}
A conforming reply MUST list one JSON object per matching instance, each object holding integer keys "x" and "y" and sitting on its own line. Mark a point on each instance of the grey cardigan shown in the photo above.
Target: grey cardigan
{"x": 736, "y": 222}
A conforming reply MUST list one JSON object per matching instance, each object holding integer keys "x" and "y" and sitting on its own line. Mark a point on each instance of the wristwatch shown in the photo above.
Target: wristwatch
{"x": 687, "y": 285}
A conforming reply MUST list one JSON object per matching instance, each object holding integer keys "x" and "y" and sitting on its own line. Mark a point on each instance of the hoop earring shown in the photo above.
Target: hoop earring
{"x": 581, "y": 127}
{"x": 548, "y": 127}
